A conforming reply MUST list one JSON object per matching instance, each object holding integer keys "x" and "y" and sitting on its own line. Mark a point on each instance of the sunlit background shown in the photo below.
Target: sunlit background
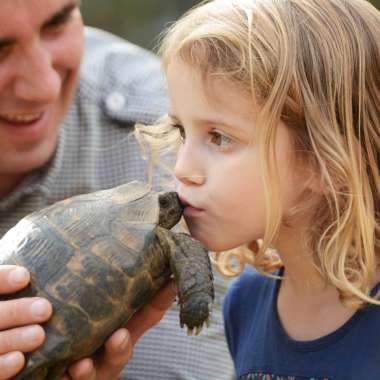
{"x": 139, "y": 21}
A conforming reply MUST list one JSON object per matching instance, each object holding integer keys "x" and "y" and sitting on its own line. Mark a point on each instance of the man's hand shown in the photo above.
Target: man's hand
{"x": 19, "y": 318}
{"x": 20, "y": 332}
{"x": 117, "y": 351}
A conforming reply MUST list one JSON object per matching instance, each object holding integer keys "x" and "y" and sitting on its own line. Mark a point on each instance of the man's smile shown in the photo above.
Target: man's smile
{"x": 23, "y": 118}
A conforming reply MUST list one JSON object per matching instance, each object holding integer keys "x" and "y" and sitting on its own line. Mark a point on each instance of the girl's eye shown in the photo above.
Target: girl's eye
{"x": 181, "y": 131}
{"x": 220, "y": 139}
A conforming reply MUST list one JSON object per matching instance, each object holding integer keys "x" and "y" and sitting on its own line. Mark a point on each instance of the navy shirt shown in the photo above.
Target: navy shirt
{"x": 261, "y": 349}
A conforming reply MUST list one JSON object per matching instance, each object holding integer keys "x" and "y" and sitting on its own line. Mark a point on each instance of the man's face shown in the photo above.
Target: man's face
{"x": 41, "y": 44}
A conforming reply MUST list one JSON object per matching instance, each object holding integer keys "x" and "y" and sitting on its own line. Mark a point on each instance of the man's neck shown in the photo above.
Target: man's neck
{"x": 9, "y": 183}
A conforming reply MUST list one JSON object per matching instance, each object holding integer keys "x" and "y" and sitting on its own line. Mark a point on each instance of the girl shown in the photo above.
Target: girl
{"x": 277, "y": 103}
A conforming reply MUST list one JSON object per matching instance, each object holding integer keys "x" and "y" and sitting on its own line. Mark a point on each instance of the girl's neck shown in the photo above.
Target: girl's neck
{"x": 300, "y": 270}
{"x": 308, "y": 308}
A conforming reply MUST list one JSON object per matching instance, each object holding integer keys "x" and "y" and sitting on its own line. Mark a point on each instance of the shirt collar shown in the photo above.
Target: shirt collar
{"x": 40, "y": 180}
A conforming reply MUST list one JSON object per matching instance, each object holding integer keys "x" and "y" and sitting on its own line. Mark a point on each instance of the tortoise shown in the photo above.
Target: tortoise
{"x": 98, "y": 258}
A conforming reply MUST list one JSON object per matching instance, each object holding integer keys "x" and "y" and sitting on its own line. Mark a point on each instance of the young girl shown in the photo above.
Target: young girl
{"x": 277, "y": 103}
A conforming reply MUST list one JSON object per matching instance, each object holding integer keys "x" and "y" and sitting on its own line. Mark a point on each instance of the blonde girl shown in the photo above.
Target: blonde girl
{"x": 277, "y": 105}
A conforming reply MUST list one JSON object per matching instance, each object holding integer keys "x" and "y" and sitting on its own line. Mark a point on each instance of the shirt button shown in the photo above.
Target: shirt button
{"x": 115, "y": 101}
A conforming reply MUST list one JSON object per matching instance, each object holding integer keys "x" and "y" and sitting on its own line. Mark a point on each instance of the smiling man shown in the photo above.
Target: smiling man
{"x": 69, "y": 97}
{"x": 41, "y": 45}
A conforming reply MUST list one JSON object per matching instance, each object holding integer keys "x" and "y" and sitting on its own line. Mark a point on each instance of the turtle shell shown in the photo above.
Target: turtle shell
{"x": 103, "y": 264}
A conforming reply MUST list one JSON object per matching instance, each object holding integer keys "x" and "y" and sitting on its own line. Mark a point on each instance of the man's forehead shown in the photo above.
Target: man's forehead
{"x": 17, "y": 16}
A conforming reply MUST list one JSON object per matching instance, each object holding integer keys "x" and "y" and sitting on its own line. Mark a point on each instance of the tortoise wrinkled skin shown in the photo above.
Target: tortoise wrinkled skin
{"x": 98, "y": 258}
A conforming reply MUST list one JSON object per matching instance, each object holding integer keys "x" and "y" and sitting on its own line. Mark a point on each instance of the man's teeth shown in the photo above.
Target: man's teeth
{"x": 21, "y": 118}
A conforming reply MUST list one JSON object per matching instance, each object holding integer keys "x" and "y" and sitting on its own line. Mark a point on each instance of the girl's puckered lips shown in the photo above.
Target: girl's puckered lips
{"x": 183, "y": 201}
{"x": 189, "y": 209}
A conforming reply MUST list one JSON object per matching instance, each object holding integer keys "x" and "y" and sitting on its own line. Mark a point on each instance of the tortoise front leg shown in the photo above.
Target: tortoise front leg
{"x": 190, "y": 263}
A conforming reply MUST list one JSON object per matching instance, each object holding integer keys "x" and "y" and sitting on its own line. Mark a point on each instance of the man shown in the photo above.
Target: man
{"x": 67, "y": 109}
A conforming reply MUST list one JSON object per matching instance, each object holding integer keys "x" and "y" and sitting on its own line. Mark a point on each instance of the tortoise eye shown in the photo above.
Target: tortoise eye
{"x": 164, "y": 202}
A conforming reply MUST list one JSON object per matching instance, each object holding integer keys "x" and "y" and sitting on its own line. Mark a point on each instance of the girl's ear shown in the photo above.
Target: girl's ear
{"x": 314, "y": 182}
{"x": 309, "y": 175}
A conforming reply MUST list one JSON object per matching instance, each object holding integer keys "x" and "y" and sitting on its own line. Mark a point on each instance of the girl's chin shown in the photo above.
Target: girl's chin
{"x": 211, "y": 239}
{"x": 213, "y": 245}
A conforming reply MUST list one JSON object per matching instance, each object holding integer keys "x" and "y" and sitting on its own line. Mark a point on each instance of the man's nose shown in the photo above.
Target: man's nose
{"x": 188, "y": 168}
{"x": 37, "y": 80}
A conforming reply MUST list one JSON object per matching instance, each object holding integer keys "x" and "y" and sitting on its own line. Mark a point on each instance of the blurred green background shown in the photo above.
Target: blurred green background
{"x": 139, "y": 21}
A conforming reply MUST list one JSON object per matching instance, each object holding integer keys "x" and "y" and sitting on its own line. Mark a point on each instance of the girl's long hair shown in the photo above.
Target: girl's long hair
{"x": 315, "y": 65}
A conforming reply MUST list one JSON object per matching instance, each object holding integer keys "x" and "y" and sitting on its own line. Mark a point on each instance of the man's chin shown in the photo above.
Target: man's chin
{"x": 29, "y": 161}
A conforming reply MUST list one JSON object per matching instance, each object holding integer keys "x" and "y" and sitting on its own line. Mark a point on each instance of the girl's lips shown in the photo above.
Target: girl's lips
{"x": 192, "y": 211}
{"x": 189, "y": 209}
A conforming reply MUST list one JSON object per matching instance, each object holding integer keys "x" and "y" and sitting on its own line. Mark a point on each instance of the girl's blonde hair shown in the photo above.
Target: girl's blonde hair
{"x": 315, "y": 65}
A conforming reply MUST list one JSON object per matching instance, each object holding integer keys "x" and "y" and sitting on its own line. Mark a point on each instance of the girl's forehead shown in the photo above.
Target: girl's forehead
{"x": 215, "y": 90}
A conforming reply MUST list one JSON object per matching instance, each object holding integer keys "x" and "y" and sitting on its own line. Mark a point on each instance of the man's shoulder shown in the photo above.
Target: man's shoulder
{"x": 100, "y": 46}
{"x": 125, "y": 79}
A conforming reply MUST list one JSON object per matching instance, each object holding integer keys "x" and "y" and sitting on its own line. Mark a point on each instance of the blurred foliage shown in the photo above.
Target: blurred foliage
{"x": 139, "y": 21}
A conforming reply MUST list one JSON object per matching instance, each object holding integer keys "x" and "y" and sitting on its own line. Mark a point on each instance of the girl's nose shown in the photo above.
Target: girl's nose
{"x": 188, "y": 168}
{"x": 37, "y": 80}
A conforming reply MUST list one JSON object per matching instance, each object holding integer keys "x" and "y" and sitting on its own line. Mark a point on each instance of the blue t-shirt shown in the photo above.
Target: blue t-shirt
{"x": 261, "y": 349}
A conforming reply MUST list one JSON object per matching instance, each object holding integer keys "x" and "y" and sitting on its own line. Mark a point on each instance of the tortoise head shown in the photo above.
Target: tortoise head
{"x": 170, "y": 209}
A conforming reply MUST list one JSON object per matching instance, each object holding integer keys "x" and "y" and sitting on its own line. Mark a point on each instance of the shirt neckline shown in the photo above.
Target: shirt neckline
{"x": 315, "y": 344}
{"x": 41, "y": 179}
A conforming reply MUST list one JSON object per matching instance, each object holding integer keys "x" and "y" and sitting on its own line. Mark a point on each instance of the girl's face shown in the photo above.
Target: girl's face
{"x": 217, "y": 170}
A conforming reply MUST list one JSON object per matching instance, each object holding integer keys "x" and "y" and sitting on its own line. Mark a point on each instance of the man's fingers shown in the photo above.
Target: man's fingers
{"x": 23, "y": 339}
{"x": 13, "y": 278}
{"x": 83, "y": 370}
{"x": 164, "y": 297}
{"x": 10, "y": 364}
{"x": 118, "y": 348}
{"x": 105, "y": 364}
{"x": 151, "y": 313}
{"x": 116, "y": 354}
{"x": 24, "y": 311}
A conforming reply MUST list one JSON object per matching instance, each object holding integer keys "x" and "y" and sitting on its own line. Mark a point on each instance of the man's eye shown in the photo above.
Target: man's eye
{"x": 59, "y": 21}
{"x": 5, "y": 50}
{"x": 62, "y": 18}
{"x": 220, "y": 139}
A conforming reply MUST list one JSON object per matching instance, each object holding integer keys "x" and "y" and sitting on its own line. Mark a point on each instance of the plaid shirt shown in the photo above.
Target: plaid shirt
{"x": 120, "y": 85}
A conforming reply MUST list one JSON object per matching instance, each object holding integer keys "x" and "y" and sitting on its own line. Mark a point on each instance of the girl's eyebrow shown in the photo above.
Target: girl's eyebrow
{"x": 215, "y": 123}
{"x": 171, "y": 116}
{"x": 208, "y": 122}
